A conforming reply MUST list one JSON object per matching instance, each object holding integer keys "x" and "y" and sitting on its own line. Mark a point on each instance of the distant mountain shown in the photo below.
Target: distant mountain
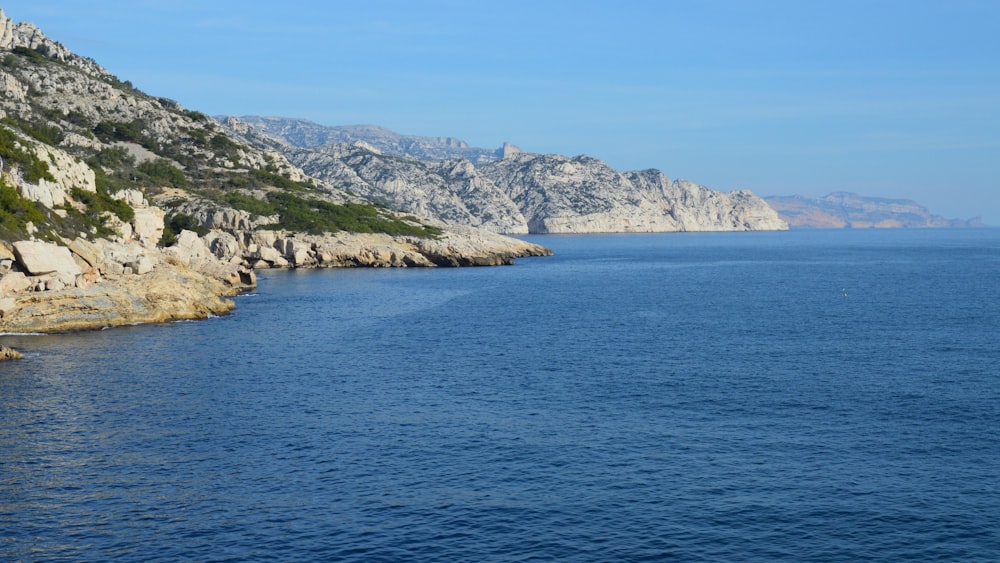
{"x": 307, "y": 134}
{"x": 845, "y": 210}
{"x": 504, "y": 191}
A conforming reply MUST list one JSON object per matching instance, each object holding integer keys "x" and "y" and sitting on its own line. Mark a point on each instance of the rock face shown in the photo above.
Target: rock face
{"x": 844, "y": 210}
{"x": 558, "y": 194}
{"x": 25, "y": 34}
{"x": 94, "y": 284}
{"x": 532, "y": 193}
{"x": 453, "y": 191}
{"x": 166, "y": 293}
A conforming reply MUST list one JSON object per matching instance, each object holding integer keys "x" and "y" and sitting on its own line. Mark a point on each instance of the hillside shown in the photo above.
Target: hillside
{"x": 517, "y": 192}
{"x": 117, "y": 206}
{"x": 844, "y": 210}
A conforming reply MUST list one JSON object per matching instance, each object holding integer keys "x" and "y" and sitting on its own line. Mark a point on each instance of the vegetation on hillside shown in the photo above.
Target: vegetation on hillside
{"x": 32, "y": 168}
{"x": 16, "y": 212}
{"x": 189, "y": 152}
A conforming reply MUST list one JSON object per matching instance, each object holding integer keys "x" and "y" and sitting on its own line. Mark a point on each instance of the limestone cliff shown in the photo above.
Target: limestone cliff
{"x": 516, "y": 192}
{"x": 558, "y": 194}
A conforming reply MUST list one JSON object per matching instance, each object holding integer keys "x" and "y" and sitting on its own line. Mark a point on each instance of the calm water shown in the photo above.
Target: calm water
{"x": 635, "y": 397}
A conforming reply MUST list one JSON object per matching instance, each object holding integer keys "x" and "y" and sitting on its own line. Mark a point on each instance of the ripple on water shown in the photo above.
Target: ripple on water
{"x": 703, "y": 397}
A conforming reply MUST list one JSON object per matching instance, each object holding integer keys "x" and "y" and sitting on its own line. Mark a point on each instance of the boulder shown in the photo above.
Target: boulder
{"x": 39, "y": 258}
{"x": 147, "y": 226}
{"x": 14, "y": 282}
{"x": 132, "y": 197}
{"x": 223, "y": 245}
{"x": 9, "y": 353}
{"x": 86, "y": 251}
{"x": 6, "y": 252}
{"x": 271, "y": 255}
{"x": 190, "y": 249}
{"x": 113, "y": 269}
{"x": 264, "y": 238}
{"x": 302, "y": 256}
{"x": 142, "y": 265}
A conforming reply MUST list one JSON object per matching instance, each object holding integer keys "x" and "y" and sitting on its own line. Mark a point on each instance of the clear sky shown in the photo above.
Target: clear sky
{"x": 890, "y": 98}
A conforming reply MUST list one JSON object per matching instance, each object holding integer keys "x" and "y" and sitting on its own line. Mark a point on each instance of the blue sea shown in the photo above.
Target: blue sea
{"x": 779, "y": 396}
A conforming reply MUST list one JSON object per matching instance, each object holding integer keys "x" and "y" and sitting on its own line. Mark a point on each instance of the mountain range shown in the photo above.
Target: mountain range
{"x": 580, "y": 194}
{"x": 506, "y": 190}
{"x": 307, "y": 134}
{"x": 845, "y": 210}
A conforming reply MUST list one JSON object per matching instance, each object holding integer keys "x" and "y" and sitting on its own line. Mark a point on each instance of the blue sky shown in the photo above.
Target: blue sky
{"x": 886, "y": 98}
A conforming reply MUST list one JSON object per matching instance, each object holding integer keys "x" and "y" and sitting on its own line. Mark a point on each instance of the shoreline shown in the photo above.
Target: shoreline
{"x": 195, "y": 285}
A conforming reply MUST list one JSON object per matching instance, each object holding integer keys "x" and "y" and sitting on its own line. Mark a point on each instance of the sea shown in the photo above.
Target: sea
{"x": 829, "y": 395}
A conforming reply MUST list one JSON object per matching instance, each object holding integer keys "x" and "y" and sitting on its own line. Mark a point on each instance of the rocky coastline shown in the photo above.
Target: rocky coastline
{"x": 118, "y": 207}
{"x": 86, "y": 285}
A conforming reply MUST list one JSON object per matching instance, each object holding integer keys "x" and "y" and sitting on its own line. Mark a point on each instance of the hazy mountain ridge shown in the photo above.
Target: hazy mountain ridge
{"x": 841, "y": 210}
{"x": 303, "y": 133}
{"x": 519, "y": 193}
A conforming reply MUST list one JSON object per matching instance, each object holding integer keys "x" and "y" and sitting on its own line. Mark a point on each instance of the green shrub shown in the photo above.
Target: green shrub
{"x": 78, "y": 119}
{"x": 198, "y": 137}
{"x": 16, "y": 211}
{"x": 100, "y": 202}
{"x": 317, "y": 216}
{"x": 39, "y": 130}
{"x": 30, "y": 54}
{"x": 174, "y": 224}
{"x": 197, "y": 116}
{"x": 252, "y": 205}
{"x": 112, "y": 157}
{"x": 131, "y": 131}
{"x": 162, "y": 172}
{"x": 279, "y": 181}
{"x": 184, "y": 222}
{"x": 32, "y": 168}
{"x": 222, "y": 146}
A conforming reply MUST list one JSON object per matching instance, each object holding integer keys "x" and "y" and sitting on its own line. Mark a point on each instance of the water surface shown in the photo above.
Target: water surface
{"x": 827, "y": 395}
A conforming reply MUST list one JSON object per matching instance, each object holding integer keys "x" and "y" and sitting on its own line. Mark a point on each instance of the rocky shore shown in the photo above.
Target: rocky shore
{"x": 50, "y": 288}
{"x": 118, "y": 207}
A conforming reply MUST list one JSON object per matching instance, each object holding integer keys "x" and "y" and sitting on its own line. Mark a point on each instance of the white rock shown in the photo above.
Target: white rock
{"x": 7, "y": 304}
{"x": 44, "y": 258}
{"x": 143, "y": 265}
{"x": 132, "y": 197}
{"x": 270, "y": 254}
{"x": 13, "y": 282}
{"x": 148, "y": 225}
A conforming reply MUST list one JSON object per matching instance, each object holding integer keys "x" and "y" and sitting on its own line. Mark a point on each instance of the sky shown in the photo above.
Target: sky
{"x": 887, "y": 98}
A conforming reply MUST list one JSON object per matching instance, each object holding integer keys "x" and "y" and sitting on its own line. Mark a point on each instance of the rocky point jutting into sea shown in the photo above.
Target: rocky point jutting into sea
{"x": 118, "y": 207}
